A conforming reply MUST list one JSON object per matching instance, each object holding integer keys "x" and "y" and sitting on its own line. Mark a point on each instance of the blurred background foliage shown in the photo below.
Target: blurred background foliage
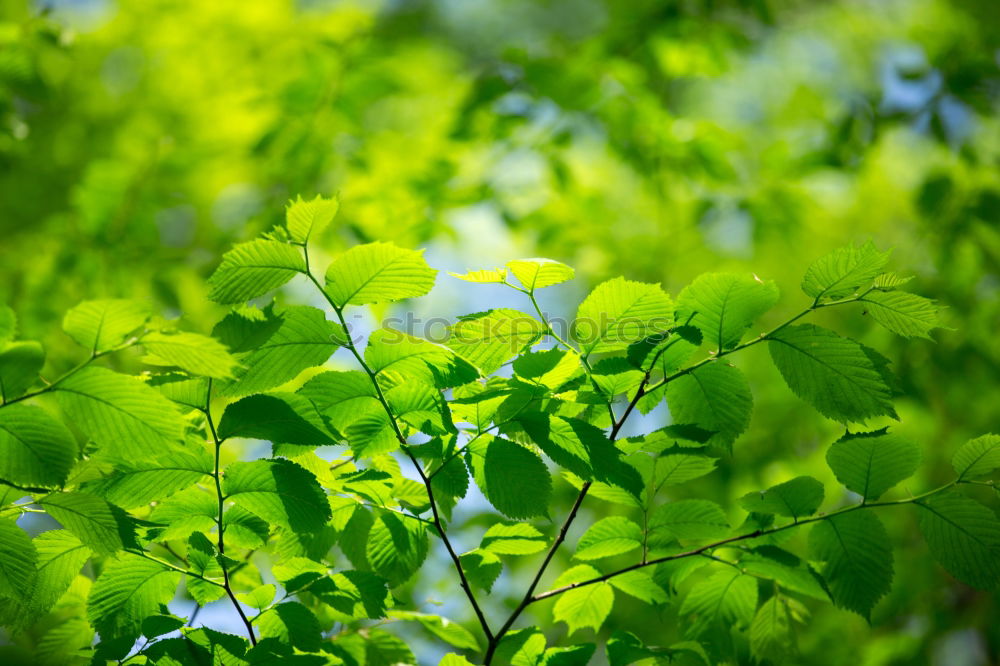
{"x": 652, "y": 138}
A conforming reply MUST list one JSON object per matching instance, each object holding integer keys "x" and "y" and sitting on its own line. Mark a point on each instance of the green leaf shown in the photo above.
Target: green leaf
{"x": 292, "y": 623}
{"x": 489, "y": 276}
{"x": 625, "y": 649}
{"x": 198, "y": 354}
{"x": 835, "y": 375}
{"x": 573, "y": 655}
{"x": 20, "y": 363}
{"x": 60, "y": 558}
{"x": 247, "y": 327}
{"x": 396, "y": 547}
{"x": 373, "y": 647}
{"x": 537, "y": 273}
{"x": 844, "y": 271}
{"x": 421, "y": 407}
{"x": 488, "y": 339}
{"x": 723, "y": 305}
{"x": 280, "y": 492}
{"x": 977, "y": 457}
{"x": 672, "y": 469}
{"x": 581, "y": 448}
{"x": 448, "y": 631}
{"x": 616, "y": 375}
{"x": 304, "y": 219}
{"x": 129, "y": 589}
{"x": 158, "y": 625}
{"x": 140, "y": 482}
{"x": 35, "y": 448}
{"x": 203, "y": 559}
{"x": 587, "y": 606}
{"x": 640, "y": 585}
{"x": 964, "y": 537}
{"x": 550, "y": 368}
{"x": 771, "y": 632}
{"x": 452, "y": 659}
{"x": 355, "y": 594}
{"x": 870, "y": 463}
{"x": 513, "y": 539}
{"x": 120, "y": 413}
{"x": 252, "y": 269}
{"x": 372, "y": 434}
{"x": 341, "y": 396}
{"x": 517, "y": 483}
{"x": 687, "y": 519}
{"x": 619, "y": 312}
{"x": 715, "y": 397}
{"x": 855, "y": 548}
{"x": 608, "y": 537}
{"x": 304, "y": 339}
{"x": 378, "y": 273}
{"x": 103, "y": 325}
{"x": 191, "y": 510}
{"x": 668, "y": 355}
{"x": 790, "y": 572}
{"x": 523, "y": 647}
{"x": 890, "y": 281}
{"x": 63, "y": 642}
{"x": 724, "y": 599}
{"x": 18, "y": 559}
{"x": 451, "y": 479}
{"x": 904, "y": 314}
{"x": 281, "y": 418}
{"x": 796, "y": 498}
{"x": 260, "y": 597}
{"x": 101, "y": 526}
{"x": 393, "y": 352}
{"x": 481, "y": 567}
{"x": 192, "y": 392}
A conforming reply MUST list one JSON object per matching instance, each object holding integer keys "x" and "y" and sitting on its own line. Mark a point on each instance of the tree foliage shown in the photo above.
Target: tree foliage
{"x": 313, "y": 544}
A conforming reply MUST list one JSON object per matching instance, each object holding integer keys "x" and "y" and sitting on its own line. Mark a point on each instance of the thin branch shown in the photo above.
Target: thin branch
{"x": 187, "y": 572}
{"x": 438, "y": 524}
{"x": 219, "y": 518}
{"x": 734, "y": 539}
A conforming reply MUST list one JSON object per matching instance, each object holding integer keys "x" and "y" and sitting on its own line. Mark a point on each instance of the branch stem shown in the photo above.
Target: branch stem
{"x": 219, "y": 518}
{"x": 438, "y": 523}
{"x": 700, "y": 550}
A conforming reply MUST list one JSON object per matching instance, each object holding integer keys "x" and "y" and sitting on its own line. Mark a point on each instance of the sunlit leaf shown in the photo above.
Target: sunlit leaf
{"x": 377, "y": 273}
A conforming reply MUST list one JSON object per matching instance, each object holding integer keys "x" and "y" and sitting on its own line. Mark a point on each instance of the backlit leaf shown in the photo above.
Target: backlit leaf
{"x": 104, "y": 324}
{"x": 252, "y": 269}
{"x": 304, "y": 219}
{"x": 198, "y": 354}
{"x": 35, "y": 448}
{"x": 119, "y": 412}
{"x": 378, "y": 273}
{"x": 835, "y": 375}
{"x": 279, "y": 491}
{"x": 723, "y": 305}
{"x": 619, "y": 312}
{"x": 844, "y": 271}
